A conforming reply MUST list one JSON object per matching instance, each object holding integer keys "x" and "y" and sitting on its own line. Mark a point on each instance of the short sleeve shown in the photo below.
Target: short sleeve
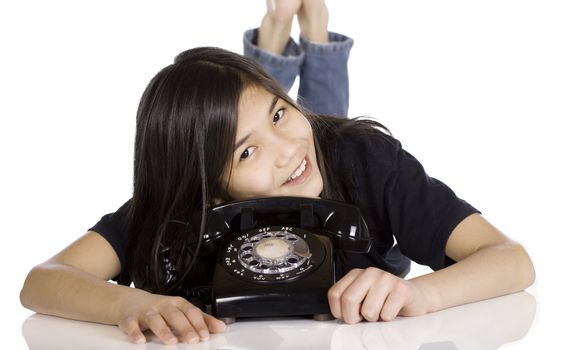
{"x": 422, "y": 210}
{"x": 113, "y": 227}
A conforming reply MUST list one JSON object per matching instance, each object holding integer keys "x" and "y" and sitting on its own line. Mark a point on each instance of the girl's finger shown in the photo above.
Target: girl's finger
{"x": 178, "y": 321}
{"x": 157, "y": 324}
{"x": 336, "y": 291}
{"x": 214, "y": 324}
{"x": 131, "y": 327}
{"x": 195, "y": 317}
{"x": 356, "y": 292}
{"x": 394, "y": 303}
{"x": 374, "y": 301}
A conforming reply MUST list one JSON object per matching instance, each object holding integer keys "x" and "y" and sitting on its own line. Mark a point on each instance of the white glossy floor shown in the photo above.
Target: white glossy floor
{"x": 484, "y": 325}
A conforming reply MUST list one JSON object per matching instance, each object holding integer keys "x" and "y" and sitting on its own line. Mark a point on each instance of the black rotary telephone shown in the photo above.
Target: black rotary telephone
{"x": 276, "y": 256}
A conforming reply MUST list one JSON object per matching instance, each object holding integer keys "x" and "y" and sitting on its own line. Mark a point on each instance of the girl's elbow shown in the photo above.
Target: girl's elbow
{"x": 24, "y": 299}
{"x": 528, "y": 270}
{"x": 29, "y": 289}
{"x": 25, "y": 292}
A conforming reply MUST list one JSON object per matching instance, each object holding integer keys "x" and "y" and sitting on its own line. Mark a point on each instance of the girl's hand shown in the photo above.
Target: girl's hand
{"x": 373, "y": 294}
{"x": 166, "y": 317}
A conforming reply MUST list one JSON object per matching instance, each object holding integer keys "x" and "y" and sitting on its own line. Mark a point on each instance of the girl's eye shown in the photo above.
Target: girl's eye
{"x": 247, "y": 153}
{"x": 279, "y": 115}
{"x": 250, "y": 150}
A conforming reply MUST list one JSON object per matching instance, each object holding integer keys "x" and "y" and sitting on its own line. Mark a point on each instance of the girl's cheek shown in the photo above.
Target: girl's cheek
{"x": 259, "y": 184}
{"x": 251, "y": 185}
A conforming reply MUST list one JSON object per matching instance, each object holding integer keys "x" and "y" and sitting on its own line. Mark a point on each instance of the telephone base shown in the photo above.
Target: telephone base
{"x": 323, "y": 317}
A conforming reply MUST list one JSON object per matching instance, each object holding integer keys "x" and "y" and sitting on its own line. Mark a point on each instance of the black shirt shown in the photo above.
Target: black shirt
{"x": 399, "y": 201}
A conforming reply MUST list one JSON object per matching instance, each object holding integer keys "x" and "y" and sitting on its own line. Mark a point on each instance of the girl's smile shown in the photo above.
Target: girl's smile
{"x": 274, "y": 153}
{"x": 301, "y": 174}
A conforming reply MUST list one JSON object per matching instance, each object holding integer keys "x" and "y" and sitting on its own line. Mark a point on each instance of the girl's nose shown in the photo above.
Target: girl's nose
{"x": 285, "y": 150}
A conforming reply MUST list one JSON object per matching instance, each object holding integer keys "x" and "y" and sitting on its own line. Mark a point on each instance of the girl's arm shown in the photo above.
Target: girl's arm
{"x": 73, "y": 284}
{"x": 488, "y": 265}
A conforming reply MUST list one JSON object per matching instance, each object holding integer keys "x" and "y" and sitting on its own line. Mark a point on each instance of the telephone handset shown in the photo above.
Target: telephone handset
{"x": 276, "y": 255}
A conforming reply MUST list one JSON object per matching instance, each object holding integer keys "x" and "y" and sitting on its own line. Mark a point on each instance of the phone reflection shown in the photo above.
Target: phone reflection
{"x": 483, "y": 325}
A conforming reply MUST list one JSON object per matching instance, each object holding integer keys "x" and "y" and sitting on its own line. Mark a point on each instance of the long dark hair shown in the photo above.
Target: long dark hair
{"x": 185, "y": 131}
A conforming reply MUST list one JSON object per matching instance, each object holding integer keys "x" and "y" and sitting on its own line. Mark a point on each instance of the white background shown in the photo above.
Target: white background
{"x": 476, "y": 90}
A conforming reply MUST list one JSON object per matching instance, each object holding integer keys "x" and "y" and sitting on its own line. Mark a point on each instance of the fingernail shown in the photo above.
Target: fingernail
{"x": 139, "y": 340}
{"x": 172, "y": 340}
{"x": 204, "y": 335}
{"x": 193, "y": 340}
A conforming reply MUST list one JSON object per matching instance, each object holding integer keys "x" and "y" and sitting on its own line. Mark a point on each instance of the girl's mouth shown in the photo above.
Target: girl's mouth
{"x": 301, "y": 173}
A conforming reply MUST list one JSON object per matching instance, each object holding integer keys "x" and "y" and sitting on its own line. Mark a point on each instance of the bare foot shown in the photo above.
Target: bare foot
{"x": 275, "y": 28}
{"x": 313, "y": 20}
{"x": 283, "y": 10}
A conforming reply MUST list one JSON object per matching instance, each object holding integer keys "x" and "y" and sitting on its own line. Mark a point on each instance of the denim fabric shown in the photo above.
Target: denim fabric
{"x": 322, "y": 70}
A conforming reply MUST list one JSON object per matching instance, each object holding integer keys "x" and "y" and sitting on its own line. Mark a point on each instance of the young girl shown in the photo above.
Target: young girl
{"x": 214, "y": 127}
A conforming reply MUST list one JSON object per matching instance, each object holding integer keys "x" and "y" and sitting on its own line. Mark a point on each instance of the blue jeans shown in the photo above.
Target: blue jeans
{"x": 322, "y": 70}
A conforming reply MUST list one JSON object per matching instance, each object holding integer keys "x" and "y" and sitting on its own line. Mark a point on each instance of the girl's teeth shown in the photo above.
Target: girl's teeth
{"x": 299, "y": 170}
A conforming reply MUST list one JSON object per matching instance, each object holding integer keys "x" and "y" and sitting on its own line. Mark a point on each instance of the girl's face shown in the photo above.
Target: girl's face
{"x": 274, "y": 154}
